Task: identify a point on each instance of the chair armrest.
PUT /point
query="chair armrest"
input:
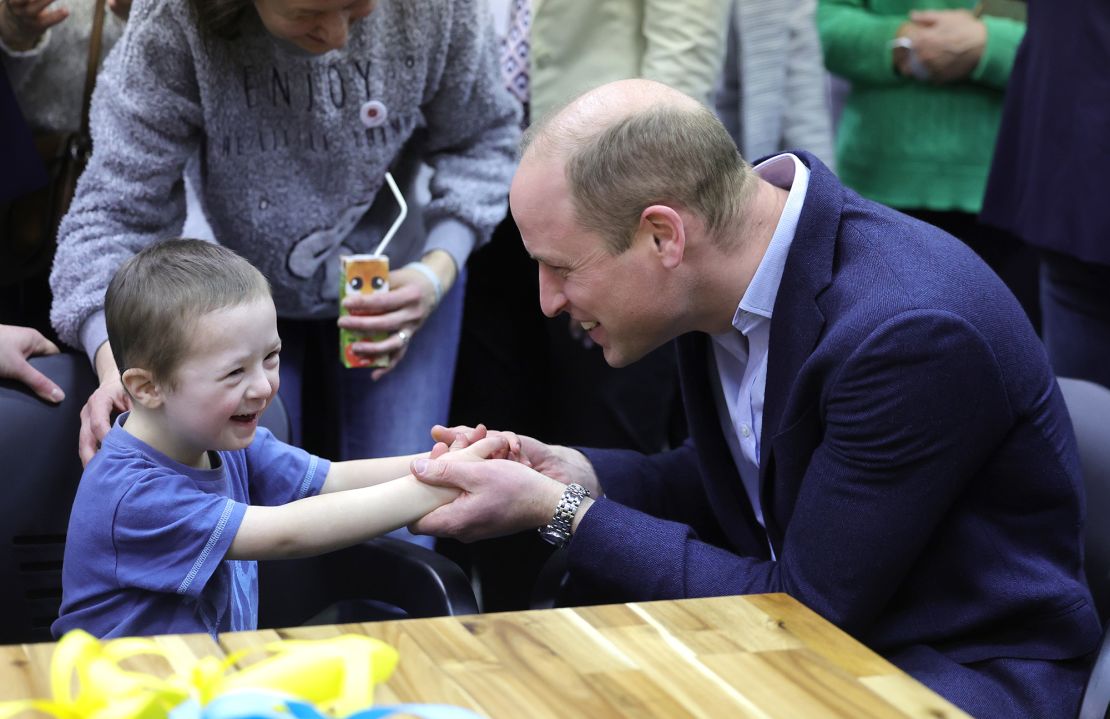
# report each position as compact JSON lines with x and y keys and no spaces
{"x":1096,"y":698}
{"x":406,"y":575}
{"x":385,"y":570}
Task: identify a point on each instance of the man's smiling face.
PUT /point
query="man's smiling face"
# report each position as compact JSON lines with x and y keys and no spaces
{"x":616,"y":298}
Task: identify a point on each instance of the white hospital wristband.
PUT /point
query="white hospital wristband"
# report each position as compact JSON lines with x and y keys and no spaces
{"x":430,"y":274}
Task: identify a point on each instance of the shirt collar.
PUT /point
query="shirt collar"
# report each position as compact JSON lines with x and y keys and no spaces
{"x":787,"y":172}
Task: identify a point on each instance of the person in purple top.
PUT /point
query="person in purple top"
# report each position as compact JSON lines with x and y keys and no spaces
{"x":187,"y":491}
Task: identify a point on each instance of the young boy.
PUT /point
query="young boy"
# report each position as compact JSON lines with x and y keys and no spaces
{"x":187,"y":491}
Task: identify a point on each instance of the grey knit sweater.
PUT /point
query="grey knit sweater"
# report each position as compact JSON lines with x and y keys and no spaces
{"x":277,"y":143}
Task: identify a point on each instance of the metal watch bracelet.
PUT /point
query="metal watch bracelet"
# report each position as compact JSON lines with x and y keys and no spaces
{"x":558,"y":531}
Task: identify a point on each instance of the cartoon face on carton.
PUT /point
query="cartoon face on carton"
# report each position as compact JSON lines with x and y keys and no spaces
{"x":362,"y":274}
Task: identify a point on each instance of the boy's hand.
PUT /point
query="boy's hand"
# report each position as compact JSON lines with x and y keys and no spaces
{"x":502,"y":445}
{"x":560,"y":463}
{"x":461,"y":437}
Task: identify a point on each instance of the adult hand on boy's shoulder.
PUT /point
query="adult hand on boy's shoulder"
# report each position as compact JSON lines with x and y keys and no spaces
{"x":109,"y":397}
{"x":96,"y":416}
{"x":16,"y":345}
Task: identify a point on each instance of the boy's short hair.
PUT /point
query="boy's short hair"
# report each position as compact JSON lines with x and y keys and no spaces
{"x":157,"y":296}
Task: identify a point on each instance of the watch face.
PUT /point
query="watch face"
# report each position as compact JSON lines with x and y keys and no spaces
{"x":553,"y":536}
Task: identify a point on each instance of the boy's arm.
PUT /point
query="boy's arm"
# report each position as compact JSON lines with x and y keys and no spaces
{"x":359,"y":473}
{"x":326,"y":522}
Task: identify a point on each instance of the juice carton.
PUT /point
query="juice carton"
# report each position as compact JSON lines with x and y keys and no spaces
{"x":363,"y":274}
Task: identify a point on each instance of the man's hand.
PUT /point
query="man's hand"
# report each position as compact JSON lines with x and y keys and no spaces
{"x":949,"y":43}
{"x":498,"y":497}
{"x":16,"y":345}
{"x":109,"y":397}
{"x":563,"y":464}
{"x":23,"y":22}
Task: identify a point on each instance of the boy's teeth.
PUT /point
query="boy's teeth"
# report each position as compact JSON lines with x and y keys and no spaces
{"x":588,"y":325}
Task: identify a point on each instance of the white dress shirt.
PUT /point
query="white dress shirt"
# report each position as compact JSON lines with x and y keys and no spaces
{"x":739,"y":360}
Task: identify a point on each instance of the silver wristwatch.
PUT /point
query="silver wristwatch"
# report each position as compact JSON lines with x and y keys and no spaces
{"x":558,"y":532}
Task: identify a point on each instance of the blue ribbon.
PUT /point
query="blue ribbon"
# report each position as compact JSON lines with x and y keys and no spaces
{"x":251,"y":704}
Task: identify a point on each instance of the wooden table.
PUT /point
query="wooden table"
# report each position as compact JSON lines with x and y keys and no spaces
{"x":742,"y":656}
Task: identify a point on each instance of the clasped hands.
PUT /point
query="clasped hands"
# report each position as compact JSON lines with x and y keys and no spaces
{"x":948,"y":43}
{"x":516,"y":490}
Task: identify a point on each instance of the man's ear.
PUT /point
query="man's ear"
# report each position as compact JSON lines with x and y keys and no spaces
{"x":140,"y":384}
{"x":668,"y":233}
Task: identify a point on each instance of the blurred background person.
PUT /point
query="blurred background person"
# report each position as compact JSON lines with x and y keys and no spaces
{"x":774,"y":92}
{"x":1047,"y":185}
{"x":919,"y":125}
{"x":44,"y":50}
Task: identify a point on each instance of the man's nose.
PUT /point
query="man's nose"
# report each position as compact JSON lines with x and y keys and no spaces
{"x":552,"y":299}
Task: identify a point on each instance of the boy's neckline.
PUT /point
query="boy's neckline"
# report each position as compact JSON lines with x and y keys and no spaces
{"x":210,"y":458}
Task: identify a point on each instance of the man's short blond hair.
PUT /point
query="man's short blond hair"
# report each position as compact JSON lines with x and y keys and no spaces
{"x":665,"y":155}
{"x":157,"y":296}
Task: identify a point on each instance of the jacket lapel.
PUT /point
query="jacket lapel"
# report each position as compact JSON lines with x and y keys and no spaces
{"x":723,"y":487}
{"x":796,"y":326}
{"x":797,"y":321}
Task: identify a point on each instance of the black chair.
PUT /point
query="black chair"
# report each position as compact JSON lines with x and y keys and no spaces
{"x":384,"y":578}
{"x":1089,"y":406}
{"x":38,"y":445}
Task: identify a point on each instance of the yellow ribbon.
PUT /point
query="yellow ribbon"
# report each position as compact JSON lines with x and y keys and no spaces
{"x":338,"y":675}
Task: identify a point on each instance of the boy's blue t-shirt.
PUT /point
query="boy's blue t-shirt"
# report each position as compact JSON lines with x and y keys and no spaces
{"x":147,"y":536}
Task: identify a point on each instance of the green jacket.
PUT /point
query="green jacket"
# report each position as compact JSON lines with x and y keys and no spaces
{"x":903,"y":142}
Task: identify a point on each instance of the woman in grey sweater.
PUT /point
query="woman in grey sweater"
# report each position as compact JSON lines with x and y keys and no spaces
{"x":285,"y":116}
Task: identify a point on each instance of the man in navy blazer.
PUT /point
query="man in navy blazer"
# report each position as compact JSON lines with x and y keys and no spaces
{"x":875,"y":429}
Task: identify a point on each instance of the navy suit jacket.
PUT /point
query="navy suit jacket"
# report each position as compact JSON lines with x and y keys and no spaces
{"x":918,"y":471}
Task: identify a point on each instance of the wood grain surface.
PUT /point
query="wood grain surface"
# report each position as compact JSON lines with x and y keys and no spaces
{"x":741,"y":656}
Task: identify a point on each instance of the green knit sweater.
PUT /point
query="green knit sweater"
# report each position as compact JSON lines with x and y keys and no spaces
{"x":903,"y":142}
